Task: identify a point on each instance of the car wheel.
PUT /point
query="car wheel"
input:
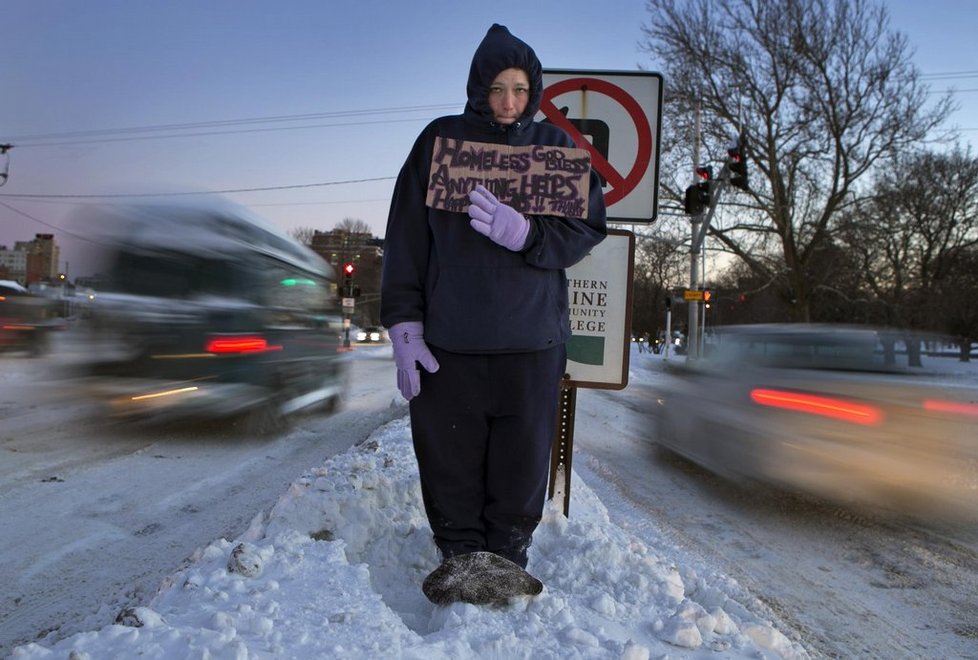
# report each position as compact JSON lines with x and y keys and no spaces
{"x":666,"y":438}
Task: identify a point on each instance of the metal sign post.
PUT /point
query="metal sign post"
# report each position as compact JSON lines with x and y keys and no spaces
{"x":563,"y":447}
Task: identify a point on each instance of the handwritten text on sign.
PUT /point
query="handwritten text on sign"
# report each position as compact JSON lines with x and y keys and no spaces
{"x":546,"y":180}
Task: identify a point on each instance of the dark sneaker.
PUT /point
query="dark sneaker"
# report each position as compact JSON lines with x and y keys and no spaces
{"x":480,"y":578}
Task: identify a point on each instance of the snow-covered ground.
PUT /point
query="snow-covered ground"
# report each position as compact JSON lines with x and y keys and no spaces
{"x":334,"y":570}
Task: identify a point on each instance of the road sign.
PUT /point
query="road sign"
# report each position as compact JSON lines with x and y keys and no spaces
{"x":600,"y":290}
{"x":616,"y":116}
{"x":690,"y":295}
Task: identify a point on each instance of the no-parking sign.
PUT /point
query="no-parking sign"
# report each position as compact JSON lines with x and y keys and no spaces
{"x":616,"y":116}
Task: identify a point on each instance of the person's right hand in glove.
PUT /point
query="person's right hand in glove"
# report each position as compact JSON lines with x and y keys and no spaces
{"x":500,"y":222}
{"x":409,"y":349}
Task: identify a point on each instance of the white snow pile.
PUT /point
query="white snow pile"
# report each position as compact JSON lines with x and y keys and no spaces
{"x":335,"y":568}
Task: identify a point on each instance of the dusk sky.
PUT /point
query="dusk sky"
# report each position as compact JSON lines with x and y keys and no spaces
{"x":321,"y":100}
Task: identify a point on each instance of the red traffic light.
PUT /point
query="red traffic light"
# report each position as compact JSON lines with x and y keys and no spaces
{"x":348,"y":269}
{"x":738,"y":166}
{"x":704,"y":173}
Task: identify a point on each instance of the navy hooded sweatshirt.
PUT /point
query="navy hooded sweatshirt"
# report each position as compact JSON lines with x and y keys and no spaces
{"x":473,"y":295}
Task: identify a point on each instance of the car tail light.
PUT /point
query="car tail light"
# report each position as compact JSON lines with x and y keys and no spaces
{"x":240,"y":344}
{"x":954,"y":407}
{"x":848,"y":411}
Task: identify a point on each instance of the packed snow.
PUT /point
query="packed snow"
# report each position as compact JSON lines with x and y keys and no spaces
{"x":334,"y":570}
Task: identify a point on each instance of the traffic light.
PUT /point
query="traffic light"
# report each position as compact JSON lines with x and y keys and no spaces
{"x":691,"y":204}
{"x":349,"y":291}
{"x":698,"y":195}
{"x":738,"y":165}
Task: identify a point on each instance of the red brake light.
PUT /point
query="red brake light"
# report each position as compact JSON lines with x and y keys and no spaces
{"x":955,"y":407}
{"x":239,"y":344}
{"x":847,"y":411}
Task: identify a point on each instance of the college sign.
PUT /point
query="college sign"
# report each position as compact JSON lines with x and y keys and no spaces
{"x":600,"y":295}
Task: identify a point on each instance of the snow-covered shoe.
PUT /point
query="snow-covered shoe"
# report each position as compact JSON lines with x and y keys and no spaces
{"x":480,"y":578}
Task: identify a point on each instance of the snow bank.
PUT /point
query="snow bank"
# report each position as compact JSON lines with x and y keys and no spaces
{"x":334,"y":570}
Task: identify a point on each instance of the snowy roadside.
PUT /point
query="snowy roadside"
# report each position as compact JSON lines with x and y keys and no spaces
{"x":334,"y":570}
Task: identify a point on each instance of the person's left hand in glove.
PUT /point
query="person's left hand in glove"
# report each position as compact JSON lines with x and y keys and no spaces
{"x":500,"y":222}
{"x":410,"y":349}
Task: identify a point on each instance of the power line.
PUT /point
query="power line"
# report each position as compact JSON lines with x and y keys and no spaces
{"x":224,"y":122}
{"x":185,"y":193}
{"x":950,"y":90}
{"x":47,"y":224}
{"x":113,"y":134}
{"x":325,"y":203}
{"x":71,"y":201}
{"x":211,"y":133}
{"x":950,"y":75}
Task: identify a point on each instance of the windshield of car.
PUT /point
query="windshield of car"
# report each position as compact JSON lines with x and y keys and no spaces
{"x":179,"y":276}
{"x":858,"y":351}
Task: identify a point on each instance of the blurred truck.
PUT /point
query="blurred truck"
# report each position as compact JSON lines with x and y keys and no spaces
{"x":204,"y":311}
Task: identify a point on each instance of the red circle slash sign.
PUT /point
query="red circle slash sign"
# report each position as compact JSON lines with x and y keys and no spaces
{"x":621,"y":185}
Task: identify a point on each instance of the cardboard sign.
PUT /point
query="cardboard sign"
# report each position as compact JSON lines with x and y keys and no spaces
{"x":536,"y":179}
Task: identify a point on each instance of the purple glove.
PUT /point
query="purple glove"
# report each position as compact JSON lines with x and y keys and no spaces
{"x":500,"y":222}
{"x":409,"y":348}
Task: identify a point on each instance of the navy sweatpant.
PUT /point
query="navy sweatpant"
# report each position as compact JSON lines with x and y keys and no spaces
{"x":483,"y":426}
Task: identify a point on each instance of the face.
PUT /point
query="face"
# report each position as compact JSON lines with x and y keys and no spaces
{"x":508,"y":95}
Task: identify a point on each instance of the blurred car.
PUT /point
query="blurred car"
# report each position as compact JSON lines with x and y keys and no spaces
{"x":371,"y":335}
{"x":205,"y":312}
{"x":817,"y":408}
{"x":25,"y":319}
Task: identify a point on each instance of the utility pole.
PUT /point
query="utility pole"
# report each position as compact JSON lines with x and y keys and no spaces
{"x":695,"y":220}
{"x":5,"y":166}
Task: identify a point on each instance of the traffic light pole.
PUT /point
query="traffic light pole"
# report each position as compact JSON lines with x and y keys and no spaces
{"x":348,"y":295}
{"x":701,"y":208}
{"x":693,"y":318}
{"x":700,"y":225}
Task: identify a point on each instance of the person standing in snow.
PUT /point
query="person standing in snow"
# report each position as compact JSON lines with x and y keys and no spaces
{"x":478,"y":297}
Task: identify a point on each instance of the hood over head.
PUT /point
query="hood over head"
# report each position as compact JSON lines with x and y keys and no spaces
{"x":499,"y":51}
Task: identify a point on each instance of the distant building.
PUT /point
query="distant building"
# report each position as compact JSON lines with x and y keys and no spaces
{"x":366,"y":253}
{"x":339,"y":247}
{"x":13,"y":265}
{"x":32,"y":261}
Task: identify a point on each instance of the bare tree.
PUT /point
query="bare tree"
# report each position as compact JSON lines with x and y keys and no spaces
{"x":912,"y":235}
{"x":353,"y":226}
{"x":822,"y":90}
{"x":303,"y":234}
{"x":660,"y":259}
{"x":960,"y":309}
